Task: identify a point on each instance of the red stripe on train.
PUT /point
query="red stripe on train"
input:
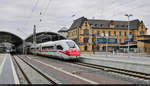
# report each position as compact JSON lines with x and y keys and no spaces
{"x":71,"y":52}
{"x":46,"y":51}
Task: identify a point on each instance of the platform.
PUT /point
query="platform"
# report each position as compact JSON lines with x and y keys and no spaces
{"x":7,"y":71}
{"x":133,"y":63}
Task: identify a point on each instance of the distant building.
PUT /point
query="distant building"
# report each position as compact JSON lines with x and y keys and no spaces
{"x":94,"y":35}
{"x":63,"y":31}
{"x":143,"y":43}
{"x":6,"y":46}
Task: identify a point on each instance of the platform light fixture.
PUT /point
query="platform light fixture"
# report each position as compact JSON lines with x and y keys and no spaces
{"x":128,"y":15}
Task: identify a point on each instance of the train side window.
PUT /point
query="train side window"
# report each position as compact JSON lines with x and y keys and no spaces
{"x":71,"y":44}
{"x":43,"y":48}
{"x":59,"y":47}
{"x":51,"y":47}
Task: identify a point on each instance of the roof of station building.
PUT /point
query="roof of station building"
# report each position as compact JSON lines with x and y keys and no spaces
{"x":63,"y":29}
{"x":10,"y":38}
{"x":94,"y":23}
{"x":44,"y":37}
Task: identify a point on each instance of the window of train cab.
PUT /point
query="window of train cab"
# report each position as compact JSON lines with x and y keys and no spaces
{"x":59,"y":47}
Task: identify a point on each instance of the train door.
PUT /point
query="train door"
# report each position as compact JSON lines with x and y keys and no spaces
{"x":52,"y":49}
{"x":39,"y":49}
{"x":55,"y":49}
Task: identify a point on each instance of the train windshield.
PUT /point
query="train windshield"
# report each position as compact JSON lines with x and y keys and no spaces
{"x":71,"y":44}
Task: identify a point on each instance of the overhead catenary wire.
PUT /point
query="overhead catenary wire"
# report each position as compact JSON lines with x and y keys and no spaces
{"x":42,"y":13}
{"x":29,"y":17}
{"x":46,"y":9}
{"x":34,"y":7}
{"x":32,"y":10}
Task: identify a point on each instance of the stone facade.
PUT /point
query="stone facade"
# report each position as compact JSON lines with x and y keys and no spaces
{"x":94,"y":35}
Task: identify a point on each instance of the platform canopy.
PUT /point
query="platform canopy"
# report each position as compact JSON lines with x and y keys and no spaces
{"x":7,"y":37}
{"x":44,"y":37}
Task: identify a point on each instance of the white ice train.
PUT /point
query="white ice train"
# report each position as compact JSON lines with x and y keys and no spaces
{"x":64,"y":49}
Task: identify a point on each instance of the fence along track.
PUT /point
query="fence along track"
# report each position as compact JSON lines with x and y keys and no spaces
{"x":42,"y":74}
{"x":144,"y":76}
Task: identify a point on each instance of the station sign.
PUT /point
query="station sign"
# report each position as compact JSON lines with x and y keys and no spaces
{"x":104,"y":40}
{"x":128,"y":40}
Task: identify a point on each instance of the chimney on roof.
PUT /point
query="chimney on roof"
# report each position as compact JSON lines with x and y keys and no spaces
{"x":141,"y":21}
{"x":111,"y":21}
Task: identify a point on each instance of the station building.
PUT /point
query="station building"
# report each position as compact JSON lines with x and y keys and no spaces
{"x":9,"y":42}
{"x":94,"y":35}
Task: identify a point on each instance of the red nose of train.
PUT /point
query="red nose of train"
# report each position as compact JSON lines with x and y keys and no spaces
{"x":73,"y":52}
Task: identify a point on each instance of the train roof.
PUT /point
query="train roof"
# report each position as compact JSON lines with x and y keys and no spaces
{"x":53,"y":42}
{"x":50,"y":42}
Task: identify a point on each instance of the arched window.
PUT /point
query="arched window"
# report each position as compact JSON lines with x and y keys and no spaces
{"x":114,"y":33}
{"x":119,"y":33}
{"x":125,"y":33}
{"x":86,"y":31}
{"x":109,"y":33}
{"x":85,"y":48}
{"x":130,"y":33}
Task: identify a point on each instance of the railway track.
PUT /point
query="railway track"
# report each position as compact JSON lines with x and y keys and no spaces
{"x":37,"y":70}
{"x":139,"y":75}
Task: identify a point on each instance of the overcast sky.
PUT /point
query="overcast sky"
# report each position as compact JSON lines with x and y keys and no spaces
{"x":19,"y":16}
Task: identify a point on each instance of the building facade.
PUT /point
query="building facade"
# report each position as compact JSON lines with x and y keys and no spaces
{"x":143,"y":43}
{"x":100,"y":35}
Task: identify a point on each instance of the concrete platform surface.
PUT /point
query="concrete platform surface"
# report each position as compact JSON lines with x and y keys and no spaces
{"x":133,"y":63}
{"x":7,"y":71}
{"x":131,"y":59}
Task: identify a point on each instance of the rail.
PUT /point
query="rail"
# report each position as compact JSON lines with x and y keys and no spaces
{"x":37,"y":70}
{"x":140,"y":75}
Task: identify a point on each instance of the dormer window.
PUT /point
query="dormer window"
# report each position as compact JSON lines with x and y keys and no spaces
{"x":117,"y":25}
{"x":92,"y":25}
{"x":96,"y":25}
{"x":122,"y":25}
{"x":102,"y":25}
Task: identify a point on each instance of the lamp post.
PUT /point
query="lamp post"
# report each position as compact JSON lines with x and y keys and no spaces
{"x":128,"y":15}
{"x":106,"y":44}
{"x":34,"y":38}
